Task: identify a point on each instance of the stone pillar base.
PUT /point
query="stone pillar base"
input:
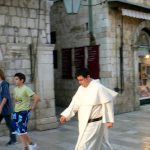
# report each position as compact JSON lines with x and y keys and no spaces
{"x":45,"y":113}
{"x":46,"y":123}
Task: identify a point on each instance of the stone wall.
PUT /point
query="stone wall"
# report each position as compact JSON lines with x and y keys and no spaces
{"x":71,"y":32}
{"x":142,"y":2}
{"x":25,"y":47}
{"x":77,"y":35}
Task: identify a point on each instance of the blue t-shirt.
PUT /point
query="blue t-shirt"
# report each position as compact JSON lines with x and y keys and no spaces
{"x":4,"y":93}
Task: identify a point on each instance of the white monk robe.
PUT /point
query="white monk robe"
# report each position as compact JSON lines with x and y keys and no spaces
{"x":91,"y":102}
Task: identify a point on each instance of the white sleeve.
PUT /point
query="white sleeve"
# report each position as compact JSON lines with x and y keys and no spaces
{"x":108,"y":112}
{"x":71,"y":110}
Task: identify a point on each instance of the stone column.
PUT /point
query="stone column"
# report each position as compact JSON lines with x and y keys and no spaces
{"x":45,"y":113}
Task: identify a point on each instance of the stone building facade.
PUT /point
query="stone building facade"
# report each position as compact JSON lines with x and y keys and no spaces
{"x":25,"y":47}
{"x":118,"y":27}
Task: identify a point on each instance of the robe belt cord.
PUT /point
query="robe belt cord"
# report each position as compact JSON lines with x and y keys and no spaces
{"x":95,"y":119}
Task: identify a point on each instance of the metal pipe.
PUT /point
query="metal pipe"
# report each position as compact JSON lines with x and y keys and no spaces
{"x":121,"y":59}
{"x":92,"y":39}
{"x":34,"y":53}
{"x":90,"y":16}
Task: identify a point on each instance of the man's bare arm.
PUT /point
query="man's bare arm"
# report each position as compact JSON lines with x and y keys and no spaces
{"x":2,"y":104}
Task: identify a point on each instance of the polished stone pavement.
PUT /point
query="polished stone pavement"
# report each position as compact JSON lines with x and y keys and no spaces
{"x":131,"y":132}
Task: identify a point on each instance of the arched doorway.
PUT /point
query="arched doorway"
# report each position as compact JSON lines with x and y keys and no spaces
{"x":143,"y":53}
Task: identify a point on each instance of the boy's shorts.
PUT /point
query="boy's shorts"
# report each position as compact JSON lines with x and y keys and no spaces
{"x":20,"y":120}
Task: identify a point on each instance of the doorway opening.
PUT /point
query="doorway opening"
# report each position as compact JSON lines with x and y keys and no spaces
{"x":143,"y":52}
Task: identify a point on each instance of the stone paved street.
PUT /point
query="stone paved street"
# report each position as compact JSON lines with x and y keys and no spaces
{"x":131,"y":132}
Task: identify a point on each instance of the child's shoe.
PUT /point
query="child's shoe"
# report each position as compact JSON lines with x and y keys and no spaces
{"x":32,"y":146}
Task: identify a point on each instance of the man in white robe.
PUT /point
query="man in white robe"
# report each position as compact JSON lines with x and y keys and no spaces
{"x":94,"y":104}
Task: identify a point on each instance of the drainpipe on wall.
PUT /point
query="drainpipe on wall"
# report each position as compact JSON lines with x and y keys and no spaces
{"x":92,"y":38}
{"x":121,"y":59}
{"x":34,"y":47}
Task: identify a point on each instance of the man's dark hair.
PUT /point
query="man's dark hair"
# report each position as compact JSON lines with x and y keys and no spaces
{"x":21,"y":76}
{"x":82,"y":72}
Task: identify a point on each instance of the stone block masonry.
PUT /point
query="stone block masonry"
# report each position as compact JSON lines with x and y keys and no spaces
{"x":25,"y":47}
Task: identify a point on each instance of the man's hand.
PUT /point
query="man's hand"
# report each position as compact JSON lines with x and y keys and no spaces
{"x":62,"y":119}
{"x":109,"y":124}
{"x":1,"y":109}
{"x":4,"y":100}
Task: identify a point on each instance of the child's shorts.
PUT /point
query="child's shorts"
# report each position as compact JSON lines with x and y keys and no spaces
{"x":20,"y":120}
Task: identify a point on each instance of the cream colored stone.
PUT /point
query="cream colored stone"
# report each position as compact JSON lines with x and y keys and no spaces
{"x":2,"y":20}
{"x":12,"y":11}
{"x":46,"y":121}
{"x":41,"y":113}
{"x":15,"y":21}
{"x":47,"y":126}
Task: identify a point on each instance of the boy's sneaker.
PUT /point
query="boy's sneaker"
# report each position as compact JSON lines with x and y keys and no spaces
{"x":32,"y":146}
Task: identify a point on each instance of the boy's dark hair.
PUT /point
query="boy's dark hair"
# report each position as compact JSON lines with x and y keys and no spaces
{"x":82,"y":72}
{"x":21,"y":76}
